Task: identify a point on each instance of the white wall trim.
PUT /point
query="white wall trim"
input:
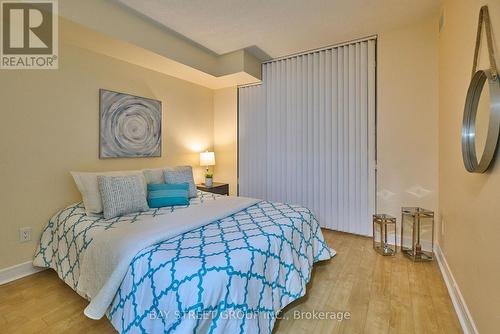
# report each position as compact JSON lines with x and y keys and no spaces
{"x":464,"y":316}
{"x":18,"y":271}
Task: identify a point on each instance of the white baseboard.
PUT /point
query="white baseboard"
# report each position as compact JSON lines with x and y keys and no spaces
{"x":464,"y":316}
{"x":18,"y":271}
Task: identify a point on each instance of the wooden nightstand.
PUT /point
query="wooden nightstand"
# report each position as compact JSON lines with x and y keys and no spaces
{"x":216,"y":188}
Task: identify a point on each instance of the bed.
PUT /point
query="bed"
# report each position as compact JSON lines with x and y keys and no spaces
{"x":231,"y":275}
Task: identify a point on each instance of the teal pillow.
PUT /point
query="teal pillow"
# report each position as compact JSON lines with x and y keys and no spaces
{"x":160,"y":195}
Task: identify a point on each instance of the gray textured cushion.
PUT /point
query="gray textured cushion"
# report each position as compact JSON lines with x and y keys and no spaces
{"x":122,"y":195}
{"x":154,"y":176}
{"x":181,"y":174}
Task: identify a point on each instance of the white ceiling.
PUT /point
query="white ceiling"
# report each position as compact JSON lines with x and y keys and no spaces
{"x":281,"y":27}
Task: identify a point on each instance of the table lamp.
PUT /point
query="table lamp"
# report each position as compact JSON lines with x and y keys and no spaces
{"x":207,"y":159}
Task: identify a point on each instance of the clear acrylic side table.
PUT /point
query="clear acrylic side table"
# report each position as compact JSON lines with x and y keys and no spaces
{"x":417,"y":233}
{"x":383,"y":225}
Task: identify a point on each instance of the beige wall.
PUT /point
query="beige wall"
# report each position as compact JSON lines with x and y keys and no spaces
{"x":468,"y":202}
{"x":225,"y":137}
{"x":407,"y":118}
{"x":50,"y":126}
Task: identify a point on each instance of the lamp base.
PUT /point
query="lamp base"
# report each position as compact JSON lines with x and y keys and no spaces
{"x":209,"y":182}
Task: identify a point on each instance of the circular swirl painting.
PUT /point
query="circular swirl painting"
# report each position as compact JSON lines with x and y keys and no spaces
{"x":130,"y":126}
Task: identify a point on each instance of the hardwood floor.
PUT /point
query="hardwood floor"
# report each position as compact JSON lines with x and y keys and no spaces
{"x":381,"y":294}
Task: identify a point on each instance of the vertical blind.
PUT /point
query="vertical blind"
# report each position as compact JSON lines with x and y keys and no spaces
{"x":307,"y":135}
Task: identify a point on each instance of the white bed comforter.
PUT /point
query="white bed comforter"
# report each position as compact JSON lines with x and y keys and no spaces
{"x":233,"y":274}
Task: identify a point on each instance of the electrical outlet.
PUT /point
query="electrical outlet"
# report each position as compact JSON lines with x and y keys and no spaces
{"x":25,"y":234}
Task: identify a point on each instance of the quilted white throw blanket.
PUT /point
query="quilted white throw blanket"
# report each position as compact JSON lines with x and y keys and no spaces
{"x":108,"y":257}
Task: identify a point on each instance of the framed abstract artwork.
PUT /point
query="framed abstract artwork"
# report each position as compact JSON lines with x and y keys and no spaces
{"x":130,"y":126}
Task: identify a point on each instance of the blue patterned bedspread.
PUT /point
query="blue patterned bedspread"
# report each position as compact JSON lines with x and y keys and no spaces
{"x":231,"y":276}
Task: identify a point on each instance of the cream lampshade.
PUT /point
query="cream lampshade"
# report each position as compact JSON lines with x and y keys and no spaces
{"x":207,"y":159}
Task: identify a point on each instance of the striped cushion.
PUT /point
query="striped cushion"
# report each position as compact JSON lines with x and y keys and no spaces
{"x":160,"y":195}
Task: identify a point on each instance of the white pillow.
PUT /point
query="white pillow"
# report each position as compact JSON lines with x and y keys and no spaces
{"x":89,"y":188}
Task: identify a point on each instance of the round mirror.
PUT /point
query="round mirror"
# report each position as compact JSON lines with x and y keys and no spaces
{"x":481,"y":123}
